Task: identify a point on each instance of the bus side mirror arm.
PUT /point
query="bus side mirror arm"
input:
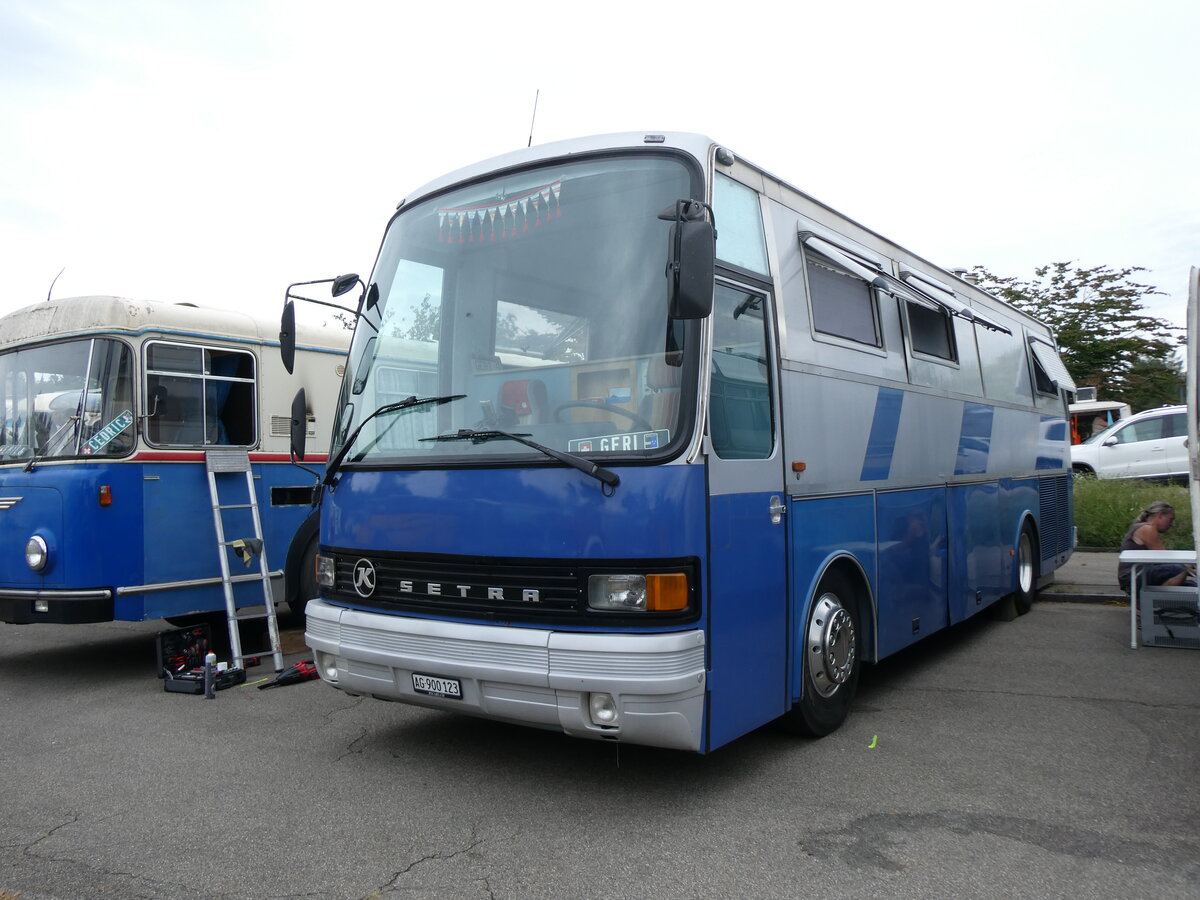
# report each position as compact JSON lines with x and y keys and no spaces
{"x":343,"y":284}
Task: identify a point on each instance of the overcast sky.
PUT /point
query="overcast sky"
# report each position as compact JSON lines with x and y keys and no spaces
{"x":212,"y":152}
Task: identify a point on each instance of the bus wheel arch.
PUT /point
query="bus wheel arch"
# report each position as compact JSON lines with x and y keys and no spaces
{"x":1026,"y":566}
{"x":300,"y":578}
{"x":833,"y":642}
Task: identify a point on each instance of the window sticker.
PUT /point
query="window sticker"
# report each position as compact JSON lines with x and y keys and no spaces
{"x":618,"y":443}
{"x":105,"y":435}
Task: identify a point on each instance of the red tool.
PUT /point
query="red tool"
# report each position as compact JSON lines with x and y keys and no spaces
{"x":301,"y":671}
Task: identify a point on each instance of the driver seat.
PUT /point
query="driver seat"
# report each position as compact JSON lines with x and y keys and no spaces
{"x":524,"y":401}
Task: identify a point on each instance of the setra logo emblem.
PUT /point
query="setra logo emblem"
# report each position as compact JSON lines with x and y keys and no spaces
{"x":364,"y":577}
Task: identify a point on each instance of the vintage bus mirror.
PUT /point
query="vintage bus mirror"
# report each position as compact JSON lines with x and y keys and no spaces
{"x":287,"y":336}
{"x":298,"y":430}
{"x":690,"y":268}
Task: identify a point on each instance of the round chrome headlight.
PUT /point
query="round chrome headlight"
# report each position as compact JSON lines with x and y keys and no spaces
{"x":37,"y":554}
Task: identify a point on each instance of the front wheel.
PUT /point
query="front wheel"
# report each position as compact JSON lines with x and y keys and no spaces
{"x":829,"y":672}
{"x":1027,"y":570}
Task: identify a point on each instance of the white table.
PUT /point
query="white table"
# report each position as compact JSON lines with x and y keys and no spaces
{"x":1141,"y":558}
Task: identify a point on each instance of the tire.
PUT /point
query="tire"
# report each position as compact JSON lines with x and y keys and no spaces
{"x":306,"y":581}
{"x":1027,"y":570}
{"x":831,"y":659}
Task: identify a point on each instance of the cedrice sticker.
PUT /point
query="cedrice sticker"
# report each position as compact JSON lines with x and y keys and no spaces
{"x":105,"y":435}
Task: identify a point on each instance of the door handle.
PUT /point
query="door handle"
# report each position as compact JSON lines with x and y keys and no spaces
{"x":778,"y":510}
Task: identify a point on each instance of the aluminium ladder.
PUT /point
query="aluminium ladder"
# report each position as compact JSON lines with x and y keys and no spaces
{"x":232,"y":462}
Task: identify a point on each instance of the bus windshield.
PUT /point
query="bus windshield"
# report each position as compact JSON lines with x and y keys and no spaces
{"x":496,"y":291}
{"x":73,"y":398}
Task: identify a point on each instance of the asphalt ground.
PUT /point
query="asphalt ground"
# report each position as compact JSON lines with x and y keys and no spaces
{"x":1090,"y":576}
{"x":1035,"y":758}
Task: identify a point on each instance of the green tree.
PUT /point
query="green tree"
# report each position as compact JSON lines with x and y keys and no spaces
{"x":1154,"y":382}
{"x":1106,"y":336}
{"x":426,"y":324}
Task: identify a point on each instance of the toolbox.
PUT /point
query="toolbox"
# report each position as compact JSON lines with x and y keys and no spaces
{"x":181,"y":655}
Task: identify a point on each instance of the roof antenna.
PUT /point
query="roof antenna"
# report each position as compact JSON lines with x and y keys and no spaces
{"x":49,"y":292}
{"x":534,"y":119}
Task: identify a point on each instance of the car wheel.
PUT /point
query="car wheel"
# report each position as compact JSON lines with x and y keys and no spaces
{"x":1027,"y":570}
{"x":831,"y":659}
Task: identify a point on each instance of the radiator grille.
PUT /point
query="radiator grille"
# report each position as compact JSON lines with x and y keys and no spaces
{"x":1054,"y":499}
{"x":489,"y":588}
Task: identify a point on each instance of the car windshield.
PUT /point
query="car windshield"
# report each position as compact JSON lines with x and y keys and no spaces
{"x":541,"y":297}
{"x":73,"y":398}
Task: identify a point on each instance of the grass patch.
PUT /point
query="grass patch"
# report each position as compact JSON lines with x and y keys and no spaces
{"x":1104,"y":510}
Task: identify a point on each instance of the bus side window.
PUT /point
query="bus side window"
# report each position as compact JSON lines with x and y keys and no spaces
{"x":200,"y":396}
{"x":740,"y":424}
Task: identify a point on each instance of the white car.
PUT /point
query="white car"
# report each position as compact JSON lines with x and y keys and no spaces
{"x":1151,"y":444}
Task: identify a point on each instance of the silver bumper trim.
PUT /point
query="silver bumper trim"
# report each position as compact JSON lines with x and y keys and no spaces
{"x":18,"y":594}
{"x":530,"y":676}
{"x":194,"y":582}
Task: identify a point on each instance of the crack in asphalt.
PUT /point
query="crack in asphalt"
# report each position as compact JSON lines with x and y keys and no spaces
{"x":351,"y":748}
{"x":390,"y":884}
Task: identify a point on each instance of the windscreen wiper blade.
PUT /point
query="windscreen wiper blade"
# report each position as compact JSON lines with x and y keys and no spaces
{"x":407,"y":403}
{"x":608,"y":478}
{"x":54,"y":444}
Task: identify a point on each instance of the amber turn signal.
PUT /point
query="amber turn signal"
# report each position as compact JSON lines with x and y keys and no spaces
{"x":666,"y":593}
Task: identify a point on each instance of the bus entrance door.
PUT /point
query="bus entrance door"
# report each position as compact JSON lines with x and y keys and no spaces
{"x":747,"y":608}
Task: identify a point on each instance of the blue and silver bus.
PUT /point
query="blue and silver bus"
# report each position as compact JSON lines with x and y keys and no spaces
{"x":640,"y":443}
{"x":108,"y":408}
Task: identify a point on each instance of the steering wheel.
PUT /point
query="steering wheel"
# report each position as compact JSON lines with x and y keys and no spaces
{"x":637,"y":420}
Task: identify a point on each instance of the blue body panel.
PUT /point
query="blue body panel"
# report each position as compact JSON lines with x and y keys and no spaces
{"x":747,"y":617}
{"x":911,"y":581}
{"x":558,"y":513}
{"x":90,"y":546}
{"x":158,"y":528}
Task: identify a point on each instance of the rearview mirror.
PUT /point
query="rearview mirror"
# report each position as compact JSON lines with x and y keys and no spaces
{"x":690,"y":266}
{"x":298,"y":429}
{"x":344,"y":284}
{"x":287,"y":336}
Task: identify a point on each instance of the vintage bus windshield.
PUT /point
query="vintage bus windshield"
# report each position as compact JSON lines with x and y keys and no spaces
{"x":73,"y":398}
{"x":541,"y":297}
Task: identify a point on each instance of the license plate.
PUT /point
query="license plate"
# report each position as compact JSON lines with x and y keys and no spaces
{"x":437,"y":687}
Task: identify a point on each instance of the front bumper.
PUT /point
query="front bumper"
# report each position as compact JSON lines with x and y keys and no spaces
{"x":527,"y":676}
{"x":63,"y":607}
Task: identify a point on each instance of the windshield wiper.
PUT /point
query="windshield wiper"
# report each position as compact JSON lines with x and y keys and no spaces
{"x":53,"y":445}
{"x":407,"y":403}
{"x":586,"y":466}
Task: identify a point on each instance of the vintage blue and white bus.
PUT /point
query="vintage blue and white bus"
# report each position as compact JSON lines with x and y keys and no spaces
{"x":666,"y":482}
{"x":109,"y":406}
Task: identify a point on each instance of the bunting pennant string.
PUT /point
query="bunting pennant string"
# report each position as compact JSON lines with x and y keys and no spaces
{"x":510,"y":216}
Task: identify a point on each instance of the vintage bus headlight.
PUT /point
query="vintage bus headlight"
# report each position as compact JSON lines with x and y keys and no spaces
{"x":667,"y":592}
{"x":325,"y":571}
{"x":37,"y":554}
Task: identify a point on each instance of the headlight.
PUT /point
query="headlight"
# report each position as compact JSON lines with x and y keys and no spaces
{"x":624,"y":592}
{"x":639,"y":593}
{"x":37,"y":554}
{"x":325,"y":571}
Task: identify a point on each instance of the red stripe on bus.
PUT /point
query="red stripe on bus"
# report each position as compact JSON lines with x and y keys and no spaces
{"x":192,"y":456}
